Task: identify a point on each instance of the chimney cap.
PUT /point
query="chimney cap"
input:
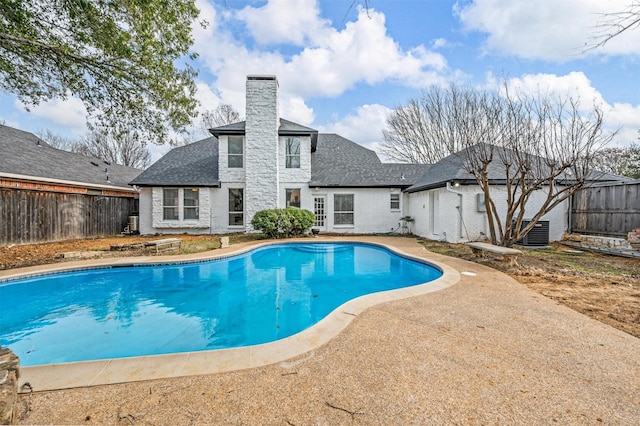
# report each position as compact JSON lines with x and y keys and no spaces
{"x":261,"y":77}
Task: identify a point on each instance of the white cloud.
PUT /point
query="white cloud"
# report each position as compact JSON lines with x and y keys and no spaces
{"x":625,"y":118}
{"x":293,"y":108}
{"x":284,"y":21}
{"x":550,"y":30}
{"x":69,"y":113}
{"x":207,"y":97}
{"x":331,"y":62}
{"x":363,"y":127}
{"x":621,"y":117}
{"x":575,"y":85}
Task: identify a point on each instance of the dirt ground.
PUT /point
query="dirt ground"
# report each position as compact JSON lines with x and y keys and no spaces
{"x":606,"y":288}
{"x":603,"y":287}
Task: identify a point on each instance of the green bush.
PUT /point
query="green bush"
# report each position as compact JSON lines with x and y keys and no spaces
{"x":283,"y":223}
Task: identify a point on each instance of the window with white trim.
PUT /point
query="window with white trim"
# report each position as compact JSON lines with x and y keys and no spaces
{"x":293,"y":197}
{"x":191,"y":204}
{"x":292,"y":153}
{"x":170,"y":204}
{"x":343,"y":209}
{"x":236,"y":207}
{"x":235,"y":150}
{"x":394,"y":201}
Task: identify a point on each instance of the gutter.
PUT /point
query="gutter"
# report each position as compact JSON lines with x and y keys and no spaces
{"x":65,"y":182}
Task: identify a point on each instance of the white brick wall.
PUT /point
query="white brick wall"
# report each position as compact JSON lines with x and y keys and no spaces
{"x":303,"y":174}
{"x":261,"y":143}
{"x":226,"y":174}
{"x":460,"y":220}
{"x":151,"y":213}
{"x":372,"y":212}
{"x":145,"y":208}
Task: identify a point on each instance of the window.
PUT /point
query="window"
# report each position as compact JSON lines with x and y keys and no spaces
{"x":343,"y":209}
{"x":236,"y":207}
{"x":170,"y":204}
{"x":293,"y":198}
{"x":235,"y":150}
{"x":191,"y":203}
{"x":293,"y":153}
{"x":395,"y":201}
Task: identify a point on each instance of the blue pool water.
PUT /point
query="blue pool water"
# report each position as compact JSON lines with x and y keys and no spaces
{"x":260,"y":296}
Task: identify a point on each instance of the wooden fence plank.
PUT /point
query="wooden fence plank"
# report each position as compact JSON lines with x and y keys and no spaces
{"x":28,"y":216}
{"x":606,"y":210}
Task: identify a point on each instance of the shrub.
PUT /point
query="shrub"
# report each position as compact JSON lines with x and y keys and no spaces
{"x":283,"y":223}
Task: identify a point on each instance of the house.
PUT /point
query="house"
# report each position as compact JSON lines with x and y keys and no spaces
{"x":48,"y":194}
{"x":216,"y":185}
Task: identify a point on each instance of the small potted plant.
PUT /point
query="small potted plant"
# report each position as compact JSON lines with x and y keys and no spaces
{"x":406,"y":224}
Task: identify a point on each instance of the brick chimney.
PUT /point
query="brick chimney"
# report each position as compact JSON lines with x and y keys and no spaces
{"x":261,"y":144}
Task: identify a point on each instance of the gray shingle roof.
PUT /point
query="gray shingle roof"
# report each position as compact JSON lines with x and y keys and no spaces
{"x":342,"y":163}
{"x":25,"y":154}
{"x":195,"y":164}
{"x":286,"y":127}
{"x":451,"y":168}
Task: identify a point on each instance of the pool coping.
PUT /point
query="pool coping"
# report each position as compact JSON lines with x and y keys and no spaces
{"x":151,"y":367}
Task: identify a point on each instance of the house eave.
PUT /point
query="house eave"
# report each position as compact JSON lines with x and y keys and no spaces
{"x":360,"y":186}
{"x":177,"y":185}
{"x":63,"y":182}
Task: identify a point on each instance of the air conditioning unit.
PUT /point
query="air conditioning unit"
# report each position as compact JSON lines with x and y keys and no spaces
{"x":538,"y":236}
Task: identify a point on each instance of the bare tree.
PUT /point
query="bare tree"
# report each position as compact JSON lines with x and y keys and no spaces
{"x":56,"y":140}
{"x":423,"y":131}
{"x":613,"y":24}
{"x":514,"y":147}
{"x":223,"y":114}
{"x":124,"y":148}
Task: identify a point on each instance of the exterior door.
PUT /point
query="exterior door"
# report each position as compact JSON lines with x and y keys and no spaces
{"x":320,"y":210}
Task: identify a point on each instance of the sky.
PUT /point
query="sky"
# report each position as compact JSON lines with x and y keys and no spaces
{"x":343,"y":67}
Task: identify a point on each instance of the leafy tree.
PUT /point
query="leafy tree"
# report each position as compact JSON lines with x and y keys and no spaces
{"x":223,"y":114}
{"x":514,"y":147}
{"x":118,"y":56}
{"x":624,"y":161}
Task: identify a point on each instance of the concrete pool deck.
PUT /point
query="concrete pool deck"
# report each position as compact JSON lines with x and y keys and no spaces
{"x":484,"y":350}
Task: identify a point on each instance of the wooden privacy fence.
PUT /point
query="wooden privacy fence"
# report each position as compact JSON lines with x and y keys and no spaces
{"x":609,"y":210}
{"x":39,"y":216}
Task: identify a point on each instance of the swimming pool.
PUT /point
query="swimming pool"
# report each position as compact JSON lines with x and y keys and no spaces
{"x":264,"y":295}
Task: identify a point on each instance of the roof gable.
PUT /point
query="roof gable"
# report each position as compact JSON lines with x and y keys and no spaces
{"x":195,"y":164}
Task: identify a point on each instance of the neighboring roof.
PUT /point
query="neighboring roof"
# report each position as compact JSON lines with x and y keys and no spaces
{"x":339,"y":162}
{"x":451,"y":168}
{"x":195,"y":164}
{"x":25,"y":156}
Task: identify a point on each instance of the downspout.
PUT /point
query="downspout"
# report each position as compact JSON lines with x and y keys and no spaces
{"x":459,"y":207}
{"x":570,"y":218}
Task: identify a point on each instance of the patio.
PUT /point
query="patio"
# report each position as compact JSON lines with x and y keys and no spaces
{"x":485,"y":350}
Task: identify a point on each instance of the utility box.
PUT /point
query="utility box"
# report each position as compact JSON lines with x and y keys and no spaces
{"x":538,"y":236}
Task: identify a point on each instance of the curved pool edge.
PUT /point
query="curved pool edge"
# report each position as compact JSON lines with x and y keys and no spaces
{"x":122,"y":370}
